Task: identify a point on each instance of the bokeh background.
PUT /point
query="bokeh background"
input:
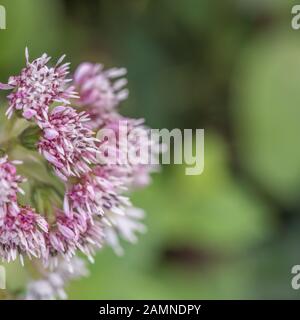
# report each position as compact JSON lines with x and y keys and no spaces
{"x":231,"y":67}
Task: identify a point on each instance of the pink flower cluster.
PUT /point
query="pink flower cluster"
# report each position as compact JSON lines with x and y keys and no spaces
{"x":9,"y":187}
{"x":37,"y":87}
{"x":95,"y":209}
{"x":101,"y":91}
{"x":134,"y":149}
{"x":23,"y":234}
{"x":67,"y":143}
{"x":51,"y":285}
{"x":70,"y":234}
{"x":22,"y":230}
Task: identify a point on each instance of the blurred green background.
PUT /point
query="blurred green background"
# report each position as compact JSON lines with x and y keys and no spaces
{"x":231,"y":67}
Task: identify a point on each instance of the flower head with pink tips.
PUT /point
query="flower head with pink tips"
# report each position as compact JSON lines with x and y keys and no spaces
{"x":89,"y":204}
{"x":37,"y":87}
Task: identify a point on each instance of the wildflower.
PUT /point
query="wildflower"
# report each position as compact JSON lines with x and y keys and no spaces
{"x":124,"y":226}
{"x":9,"y":187}
{"x":98,"y":196}
{"x":67,"y":143}
{"x":37,"y":87}
{"x":62,"y":238}
{"x":92,"y":239}
{"x":68,"y":234}
{"x":100,"y":91}
{"x":95,"y":193}
{"x":90,"y":207}
{"x":41,"y":290}
{"x":51,"y":286}
{"x":22,"y":234}
{"x":136,"y":151}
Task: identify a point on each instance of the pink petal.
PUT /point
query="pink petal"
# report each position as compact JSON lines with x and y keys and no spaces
{"x":4,"y":86}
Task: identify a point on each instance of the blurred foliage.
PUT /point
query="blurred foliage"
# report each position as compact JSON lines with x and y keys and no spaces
{"x":230,"y":67}
{"x":267,"y":111}
{"x":196,"y":226}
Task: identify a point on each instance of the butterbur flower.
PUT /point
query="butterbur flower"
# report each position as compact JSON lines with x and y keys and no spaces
{"x":22,"y":235}
{"x":136,"y":151}
{"x":37,"y":87}
{"x":95,"y":193}
{"x":51,"y":286}
{"x":72,"y":233}
{"x":124,"y":226}
{"x":9,"y":187}
{"x":67,"y":143}
{"x":92,"y":239}
{"x":62,"y":238}
{"x":100,"y":91}
{"x":42,"y":290}
{"x":89,"y":205}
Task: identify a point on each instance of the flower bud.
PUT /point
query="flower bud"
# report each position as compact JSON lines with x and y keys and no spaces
{"x":29,"y":137}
